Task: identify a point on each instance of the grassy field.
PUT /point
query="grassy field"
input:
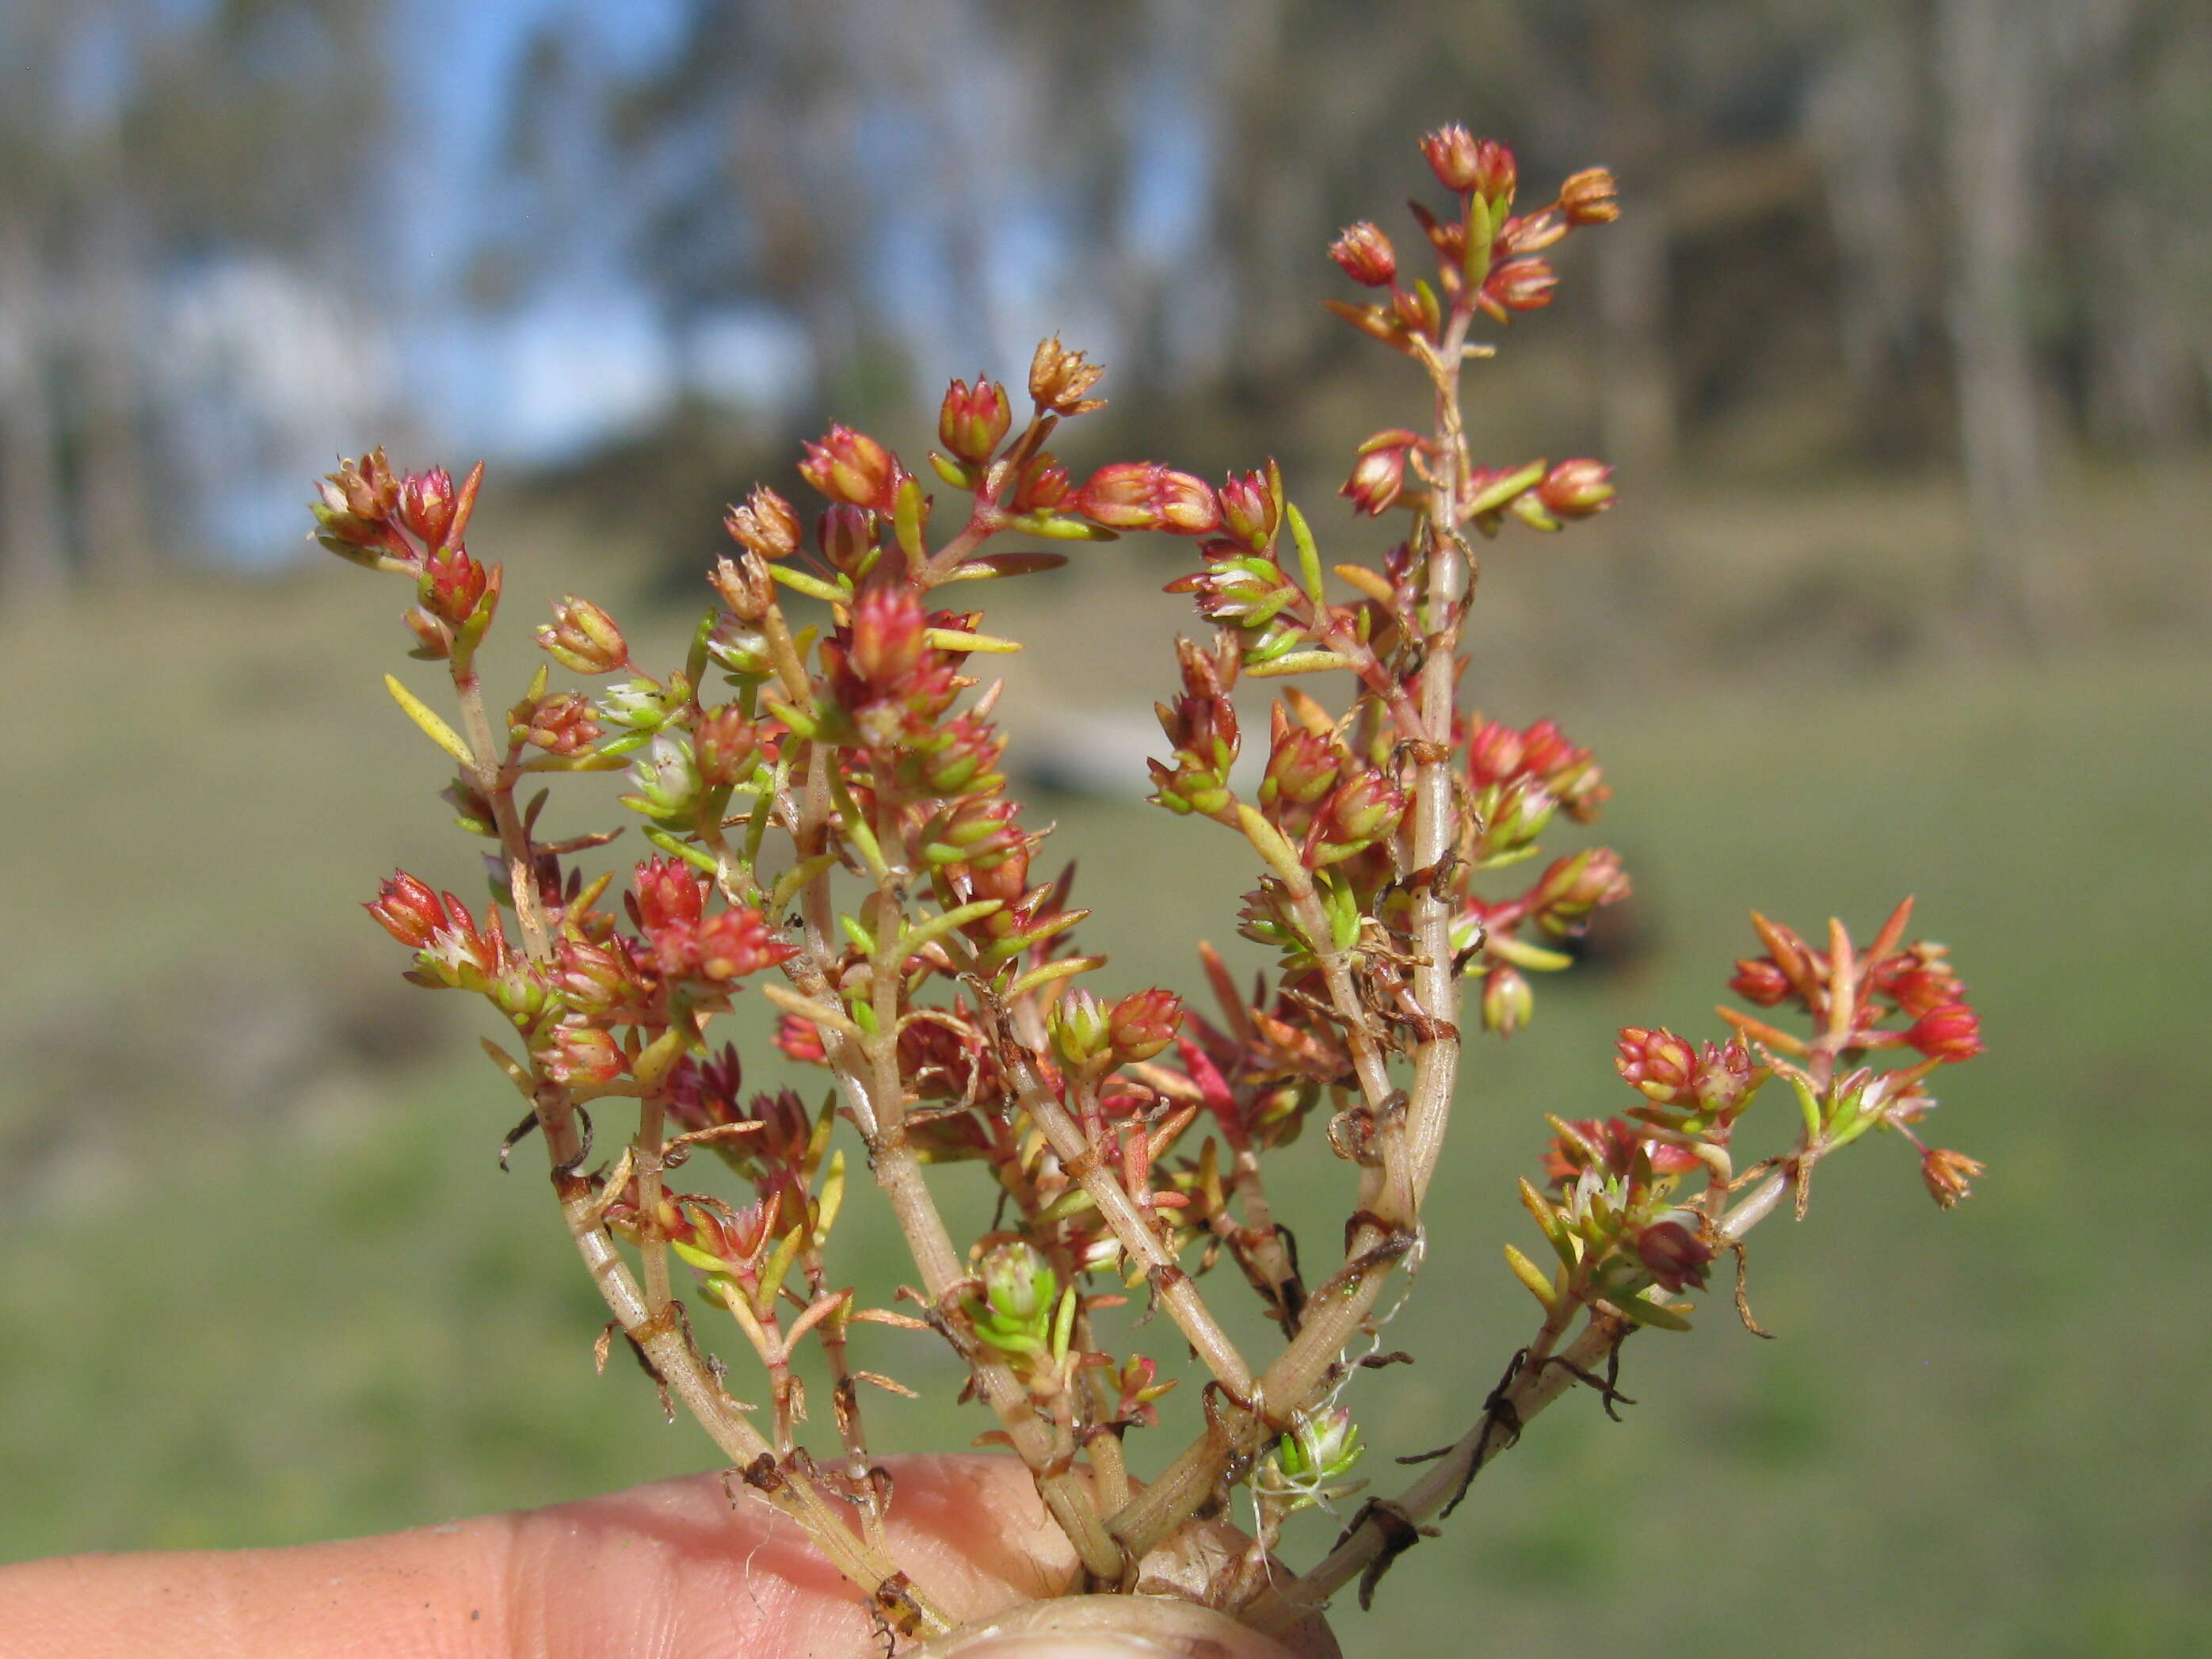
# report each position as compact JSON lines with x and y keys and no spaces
{"x":263,"y":1282}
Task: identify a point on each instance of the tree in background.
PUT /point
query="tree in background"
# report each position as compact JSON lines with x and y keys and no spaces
{"x":144,"y":151}
{"x":1953,"y":227}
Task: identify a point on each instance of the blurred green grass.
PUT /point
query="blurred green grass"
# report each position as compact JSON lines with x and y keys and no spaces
{"x":264,"y":1282}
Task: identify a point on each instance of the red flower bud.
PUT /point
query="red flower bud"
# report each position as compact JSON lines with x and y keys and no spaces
{"x":1495,"y":171}
{"x":1759,"y":981}
{"x":602,"y":981}
{"x":765,"y":525}
{"x":1303,"y":767}
{"x":1575,"y":885}
{"x":1361,"y":810}
{"x":1588,"y":197}
{"x":800,"y":1040}
{"x":978,"y":833}
{"x":1507,"y":1000}
{"x":1364,"y":253}
{"x":426,"y":504}
{"x":733,"y":1241}
{"x":852,"y":467}
{"x":583,"y":637}
{"x":1380,"y":472}
{"x":962,"y":758}
{"x":724,"y":744}
{"x":1250,"y":516}
{"x":1204,"y":727}
{"x":366,"y":489}
{"x":1187,"y":506}
{"x":1043,"y":485}
{"x":787,"y":1128}
{"x":1577,"y":489}
{"x":1080,"y":1029}
{"x":971,"y":424}
{"x":1547,"y":753}
{"x":1144,"y":1024}
{"x":1520,"y":811}
{"x":1455,"y":157}
{"x":1615,"y":1148}
{"x":407,"y":909}
{"x":1661,"y":1065}
{"x":1529,"y":233}
{"x":887,"y":629}
{"x":1724,"y":1078}
{"x":1715,"y":1078}
{"x":1674,"y":1255}
{"x":1006,"y":879}
{"x":731,"y":943}
{"x":583,"y":1054}
{"x":847,"y":536}
{"x":561,"y":724}
{"x":459,"y":953}
{"x":1145,"y":495}
{"x":1952,"y":1032}
{"x":1923,"y":988}
{"x":702,"y":1093}
{"x":669,"y":895}
{"x":1521,"y":284}
{"x":1494,"y":753}
{"x":453,"y":584}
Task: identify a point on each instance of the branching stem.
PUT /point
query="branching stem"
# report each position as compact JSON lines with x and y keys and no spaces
{"x":1535,"y":1385}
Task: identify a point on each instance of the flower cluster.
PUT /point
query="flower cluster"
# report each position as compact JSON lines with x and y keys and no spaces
{"x":1618,"y":1223}
{"x":819,"y":782}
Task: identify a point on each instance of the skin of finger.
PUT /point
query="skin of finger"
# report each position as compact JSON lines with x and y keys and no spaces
{"x":663,"y":1568}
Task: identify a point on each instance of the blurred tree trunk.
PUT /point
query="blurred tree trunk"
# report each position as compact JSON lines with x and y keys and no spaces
{"x":2142,"y":384}
{"x":112,"y":473}
{"x":1987,"y":65}
{"x":1635,"y":408}
{"x":1867,"y":117}
{"x":1266,"y":197}
{"x":33,"y":554}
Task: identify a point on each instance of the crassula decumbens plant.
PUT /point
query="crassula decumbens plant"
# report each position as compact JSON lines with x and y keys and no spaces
{"x":830,"y":830}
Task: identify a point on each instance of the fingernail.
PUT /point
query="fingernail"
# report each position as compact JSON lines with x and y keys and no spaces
{"x":1099,"y":1646}
{"x":1122,"y":1627}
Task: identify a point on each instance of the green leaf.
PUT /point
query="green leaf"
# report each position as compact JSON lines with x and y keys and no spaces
{"x":1641,"y":1311}
{"x":953,"y":639}
{"x":1005,"y":949}
{"x":1538,"y":1281}
{"x":771,"y":1279}
{"x":1309,"y":554}
{"x":433,"y":728}
{"x":694,"y":665}
{"x":1060,"y":529}
{"x":906,"y":521}
{"x":1005,"y":564}
{"x":1534,"y":958}
{"x":698,"y":857}
{"x":928,"y":933}
{"x":1480,"y":232}
{"x":788,"y":883}
{"x":1065,"y":967}
{"x":591,"y":759}
{"x":1075,"y":1202}
{"x":1299,"y":662}
{"x":1505,"y":489}
{"x":813,"y":586}
{"x":1272,"y":847}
